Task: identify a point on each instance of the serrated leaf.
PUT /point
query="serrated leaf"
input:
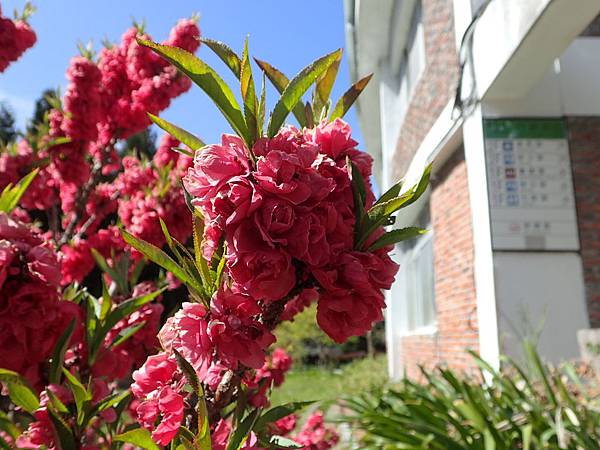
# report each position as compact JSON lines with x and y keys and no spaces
{"x":20,"y":392}
{"x":208,"y":80}
{"x":159,"y":257}
{"x":390,"y":193}
{"x":394,"y":236}
{"x":347,"y":100}
{"x":80,"y":393}
{"x":248,"y":91}
{"x":11,"y":195}
{"x":58,"y":355}
{"x":379,"y":213}
{"x":279,"y":412}
{"x":227,"y":55}
{"x":112,"y":273}
{"x":183,"y":136}
{"x":140,"y":437}
{"x":126,"y":334}
{"x":239,"y":436}
{"x":323,"y":87}
{"x":296,"y":88}
{"x":280,"y":81}
{"x":62,"y":431}
{"x":262,"y":106}
{"x":190,"y":373}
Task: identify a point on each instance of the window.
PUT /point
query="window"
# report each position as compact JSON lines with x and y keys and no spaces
{"x":413,"y":293}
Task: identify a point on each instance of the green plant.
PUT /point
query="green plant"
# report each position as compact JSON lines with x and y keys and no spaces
{"x":536,"y":408}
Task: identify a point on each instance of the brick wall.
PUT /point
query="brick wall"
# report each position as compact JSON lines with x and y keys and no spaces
{"x":584,"y":142}
{"x":436,"y":85}
{"x":454,"y":278}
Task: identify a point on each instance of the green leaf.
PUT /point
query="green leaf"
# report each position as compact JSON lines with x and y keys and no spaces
{"x":390,"y":193}
{"x":125,"y":334}
{"x":227,"y":55}
{"x":345,"y":102}
{"x":324,"y":86}
{"x":140,"y":437}
{"x":23,"y":396}
{"x":80,"y":393}
{"x":20,"y":392}
{"x":279,"y":412}
{"x":119,"y":279}
{"x":58,"y":355}
{"x":11,"y":195}
{"x":190,"y":373}
{"x":296,"y":88}
{"x":111,"y":401}
{"x":359,"y":193}
{"x":260,"y":120}
{"x":183,"y":136}
{"x":249,"y":99}
{"x":208,"y":80}
{"x":280,"y":81}
{"x":394,"y":236}
{"x":379,"y":213}
{"x":238,"y":437}
{"x":62,"y":431}
{"x":159,"y":257}
{"x":57,"y":402}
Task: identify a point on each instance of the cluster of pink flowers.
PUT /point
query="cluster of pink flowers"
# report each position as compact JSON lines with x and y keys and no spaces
{"x":16,"y":37}
{"x":32,"y":314}
{"x":289,"y":220}
{"x":270,"y":375}
{"x":315,"y":435}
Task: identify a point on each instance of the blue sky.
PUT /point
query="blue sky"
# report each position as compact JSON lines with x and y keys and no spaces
{"x":289,"y":34}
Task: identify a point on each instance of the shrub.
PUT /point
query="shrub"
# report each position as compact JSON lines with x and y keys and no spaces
{"x":529,"y":408}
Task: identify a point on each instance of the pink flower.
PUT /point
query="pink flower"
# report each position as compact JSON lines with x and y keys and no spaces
{"x":287,"y":176}
{"x":32,"y":315}
{"x":264,"y":272}
{"x":235,"y":331}
{"x":333,"y":138}
{"x":214,"y":166}
{"x":348,"y":313}
{"x":315,"y":435}
{"x":156,"y":384}
{"x":187,"y":333}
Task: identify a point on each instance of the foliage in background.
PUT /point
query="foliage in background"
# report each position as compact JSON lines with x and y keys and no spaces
{"x":531,"y":406}
{"x":308,"y":345}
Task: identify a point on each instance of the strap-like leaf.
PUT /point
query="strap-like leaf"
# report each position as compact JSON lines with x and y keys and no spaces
{"x":296,"y":88}
{"x":238,"y":437}
{"x":394,"y":236}
{"x":20,"y":392}
{"x":260,"y":120}
{"x":81,"y":395}
{"x":323,"y":87}
{"x":227,"y":55}
{"x":249,"y":99}
{"x":279,"y":412}
{"x":63,"y":431}
{"x":345,"y":102}
{"x":140,"y":437}
{"x":159,"y":257}
{"x":208,"y":80}
{"x":10,"y":196}
{"x":281,"y":442}
{"x":390,"y":193}
{"x":280,"y":81}
{"x":180,"y":134}
{"x":58,"y":355}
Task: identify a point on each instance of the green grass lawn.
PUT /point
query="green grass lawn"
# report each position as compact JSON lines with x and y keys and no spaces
{"x":328,"y":384}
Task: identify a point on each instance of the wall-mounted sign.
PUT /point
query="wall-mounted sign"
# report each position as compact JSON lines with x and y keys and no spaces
{"x":532,"y":205}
